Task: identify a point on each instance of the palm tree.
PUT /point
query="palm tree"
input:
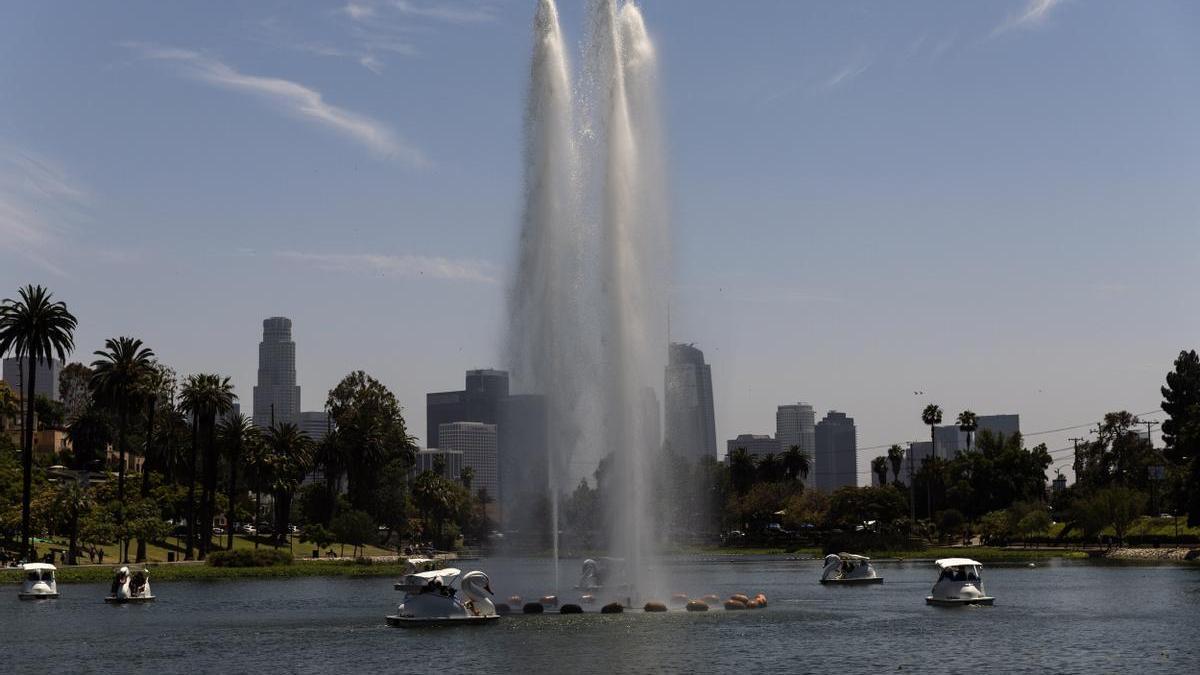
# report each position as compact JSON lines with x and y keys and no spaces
{"x":212,"y":396}
{"x":879,"y":466}
{"x":770,"y":468}
{"x":158,"y":390}
{"x":895,"y":457}
{"x":796,"y":463}
{"x":118,"y":379}
{"x":74,"y":498}
{"x":741,"y":470}
{"x":931,"y":415}
{"x":257,"y":458}
{"x":37,"y":329}
{"x":235,"y":434}
{"x":291,"y":459}
{"x":968,"y":422}
{"x":189,"y":405}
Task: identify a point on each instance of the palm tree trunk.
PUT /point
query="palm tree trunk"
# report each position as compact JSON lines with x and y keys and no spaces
{"x":27,"y":463}
{"x":122,"y":421}
{"x":232,"y":492}
{"x":257,"y":511}
{"x":208,"y":499}
{"x":191,"y":526}
{"x":141,"y":548}
{"x":74,"y":533}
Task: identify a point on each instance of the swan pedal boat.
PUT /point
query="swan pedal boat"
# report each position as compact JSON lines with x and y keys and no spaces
{"x":959,"y":583}
{"x":130,"y":590}
{"x":430,"y":599}
{"x":39,"y":583}
{"x":849,"y":569}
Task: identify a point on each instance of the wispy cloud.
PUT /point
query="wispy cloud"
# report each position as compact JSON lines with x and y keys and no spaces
{"x":1034,"y":14}
{"x":848,"y":72}
{"x":37,"y":204}
{"x":367,"y":10}
{"x":410,"y":266}
{"x":290,"y":97}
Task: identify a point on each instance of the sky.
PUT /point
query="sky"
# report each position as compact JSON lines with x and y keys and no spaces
{"x":874,"y":205}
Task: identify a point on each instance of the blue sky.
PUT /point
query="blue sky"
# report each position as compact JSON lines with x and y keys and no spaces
{"x":992,"y":203}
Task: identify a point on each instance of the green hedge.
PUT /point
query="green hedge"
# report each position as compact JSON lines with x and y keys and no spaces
{"x":249,"y":558}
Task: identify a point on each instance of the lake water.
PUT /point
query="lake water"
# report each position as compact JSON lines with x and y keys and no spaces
{"x":1066,"y":617}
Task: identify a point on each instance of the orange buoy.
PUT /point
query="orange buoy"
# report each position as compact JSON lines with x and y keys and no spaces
{"x":654,"y":606}
{"x":734,"y":604}
{"x":549,"y":600}
{"x":587,"y":599}
{"x":697,"y":606}
{"x":515,"y":601}
{"x":679,"y":599}
{"x":740,"y":598}
{"x":711,"y":599}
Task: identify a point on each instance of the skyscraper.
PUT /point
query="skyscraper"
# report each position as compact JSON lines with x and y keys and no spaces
{"x":276,"y":396}
{"x":756,"y":445}
{"x":45,"y":383}
{"x":795,"y":424}
{"x":836,"y":460}
{"x":315,"y":423}
{"x":691,"y":428}
{"x":479,"y":402}
{"x":477,"y":443}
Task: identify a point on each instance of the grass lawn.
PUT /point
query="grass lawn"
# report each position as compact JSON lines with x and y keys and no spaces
{"x":199,"y":571}
{"x":158,"y":552}
{"x":980,"y":553}
{"x":1163,"y":527}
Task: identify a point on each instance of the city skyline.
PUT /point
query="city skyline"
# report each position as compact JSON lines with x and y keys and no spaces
{"x":1003,"y":174}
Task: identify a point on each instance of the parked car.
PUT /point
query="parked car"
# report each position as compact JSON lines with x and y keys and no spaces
{"x":293,"y":529}
{"x":218,"y":531}
{"x":249,"y":529}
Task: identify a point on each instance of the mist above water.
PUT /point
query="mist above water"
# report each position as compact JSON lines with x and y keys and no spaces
{"x":587,"y":322}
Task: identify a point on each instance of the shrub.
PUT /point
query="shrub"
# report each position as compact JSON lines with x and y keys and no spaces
{"x":249,"y":558}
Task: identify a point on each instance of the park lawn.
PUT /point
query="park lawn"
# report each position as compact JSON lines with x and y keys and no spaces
{"x":981,"y":553}
{"x":191,"y":571}
{"x":158,"y":552}
{"x":1146,"y":525}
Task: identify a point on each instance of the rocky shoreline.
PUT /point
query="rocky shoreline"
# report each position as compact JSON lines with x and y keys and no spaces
{"x":1179,"y":554}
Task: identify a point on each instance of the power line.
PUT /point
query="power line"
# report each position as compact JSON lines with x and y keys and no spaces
{"x":1023,"y":435}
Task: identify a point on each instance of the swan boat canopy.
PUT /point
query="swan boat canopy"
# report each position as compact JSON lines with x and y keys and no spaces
{"x":597,"y":573}
{"x":849,"y":569}
{"x":959,"y":583}
{"x":430,"y":598}
{"x":39,"y":583}
{"x":130,"y":588}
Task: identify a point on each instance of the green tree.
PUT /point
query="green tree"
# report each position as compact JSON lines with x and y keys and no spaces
{"x":74,"y":389}
{"x":319,"y":536}
{"x":951,"y":522}
{"x":370,"y":432}
{"x":50,"y":413}
{"x":36,"y":328}
{"x":1181,"y":430}
{"x":853,"y":506}
{"x":879,"y":466}
{"x":353,"y":527}
{"x":770,"y":469}
{"x":118,"y":378}
{"x":257,"y":459}
{"x":90,"y":434}
{"x":235,"y":434}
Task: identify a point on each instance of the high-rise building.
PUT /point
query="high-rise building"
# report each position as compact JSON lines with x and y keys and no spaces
{"x":796,"y":424}
{"x":520,"y":486}
{"x":427,"y":459}
{"x":756,"y":445}
{"x":45,"y":382}
{"x":276,"y":396}
{"x":478,"y":444}
{"x":479,"y":402}
{"x":315,"y":423}
{"x":691,"y":429}
{"x":836,"y":461}
{"x":950,"y":440}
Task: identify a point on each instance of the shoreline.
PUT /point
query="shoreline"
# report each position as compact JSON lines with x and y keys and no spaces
{"x":1154,"y":554}
{"x":200,"y":571}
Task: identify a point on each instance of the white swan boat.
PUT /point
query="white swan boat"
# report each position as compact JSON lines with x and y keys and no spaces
{"x":130,"y":588}
{"x":596,"y":572}
{"x":849,"y":569}
{"x":39,"y":583}
{"x":959,"y":583}
{"x":430,"y":598}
